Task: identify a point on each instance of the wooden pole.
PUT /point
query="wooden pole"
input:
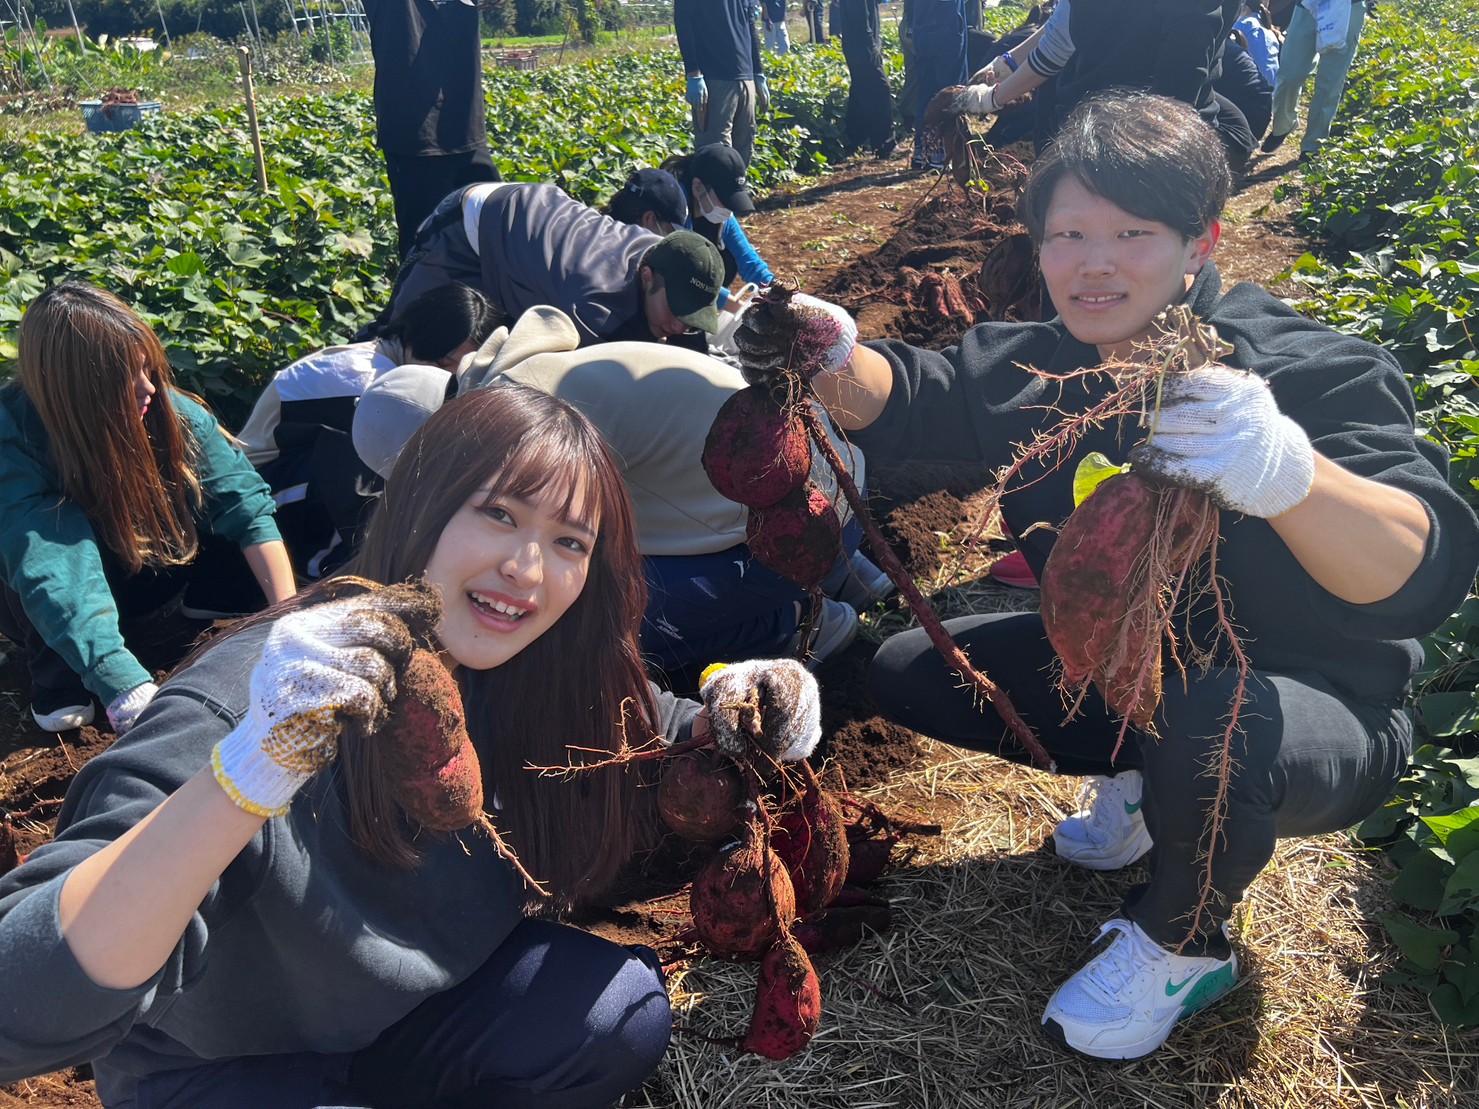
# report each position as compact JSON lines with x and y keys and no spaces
{"x":244,"y":57}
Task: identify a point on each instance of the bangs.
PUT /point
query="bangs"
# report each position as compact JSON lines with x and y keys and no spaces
{"x":560,"y":462}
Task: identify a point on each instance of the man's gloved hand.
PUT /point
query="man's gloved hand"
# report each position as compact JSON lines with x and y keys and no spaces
{"x":1220,"y":431}
{"x":769,"y":704}
{"x":697,"y":93}
{"x":321,"y":667}
{"x":993,"y":72}
{"x":800,"y":332}
{"x":762,"y":94}
{"x":123,"y":711}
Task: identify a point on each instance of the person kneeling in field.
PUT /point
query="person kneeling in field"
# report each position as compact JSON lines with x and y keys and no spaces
{"x":709,"y":599}
{"x":280,"y":888}
{"x":1342,"y":543}
{"x":527,"y":244}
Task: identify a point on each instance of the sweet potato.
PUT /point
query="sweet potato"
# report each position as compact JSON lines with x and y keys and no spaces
{"x":788,"y":1003}
{"x":811,"y":840}
{"x":1101,"y":587}
{"x":868,"y":855}
{"x":798,"y":537}
{"x":842,"y":926}
{"x":756,"y":452}
{"x":742,"y":899}
{"x":701,"y":796}
{"x":430,"y":765}
{"x":9,"y":859}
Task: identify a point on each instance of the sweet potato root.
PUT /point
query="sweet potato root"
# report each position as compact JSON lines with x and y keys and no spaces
{"x":842,"y":926}
{"x":701,"y":796}
{"x":742,"y":899}
{"x":788,"y":1003}
{"x":811,"y":840}
{"x":798,"y":537}
{"x":430,"y":764}
{"x":756,"y":452}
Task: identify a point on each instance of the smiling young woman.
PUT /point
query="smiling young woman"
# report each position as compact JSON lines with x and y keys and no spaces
{"x":234,"y":914}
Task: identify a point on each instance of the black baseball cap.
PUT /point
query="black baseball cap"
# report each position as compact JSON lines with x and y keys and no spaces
{"x":720,"y":167}
{"x":692,"y":273}
{"x":660,"y":193}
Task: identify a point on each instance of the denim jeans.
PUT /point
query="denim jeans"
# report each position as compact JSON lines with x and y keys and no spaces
{"x":1297,"y":61}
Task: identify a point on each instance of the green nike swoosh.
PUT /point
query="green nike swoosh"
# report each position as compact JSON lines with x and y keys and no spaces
{"x":1131,"y":810}
{"x":1172,"y":989}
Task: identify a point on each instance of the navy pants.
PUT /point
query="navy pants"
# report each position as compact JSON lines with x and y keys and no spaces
{"x":557,"y":1018}
{"x":869,"y":118}
{"x":939,"y":51}
{"x":724,"y":607}
{"x":1309,"y":759}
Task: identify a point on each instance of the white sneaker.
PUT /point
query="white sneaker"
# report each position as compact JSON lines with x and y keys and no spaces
{"x":1108,"y":832}
{"x":834,"y":633}
{"x":1124,"y":1002}
{"x":865,"y":584}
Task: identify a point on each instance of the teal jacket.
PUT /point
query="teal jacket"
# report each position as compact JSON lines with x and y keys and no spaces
{"x":49,"y":552}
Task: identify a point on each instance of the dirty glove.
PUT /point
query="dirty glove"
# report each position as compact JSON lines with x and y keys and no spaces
{"x":123,"y":710}
{"x":1220,"y":431}
{"x":320,"y":667}
{"x":976,"y":100}
{"x":762,"y":94}
{"x":997,"y":70}
{"x":803,"y":333}
{"x":697,"y":94}
{"x":769,"y":704}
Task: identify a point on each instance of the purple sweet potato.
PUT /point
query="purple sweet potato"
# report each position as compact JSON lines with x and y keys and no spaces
{"x":742,"y":899}
{"x":1100,"y":586}
{"x":756,"y":452}
{"x":431,"y":768}
{"x":701,"y":796}
{"x":788,"y":1003}
{"x":811,"y":840}
{"x":842,"y":926}
{"x":799,"y":537}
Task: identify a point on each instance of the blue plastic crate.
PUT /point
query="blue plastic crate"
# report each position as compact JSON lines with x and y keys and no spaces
{"x":116,"y":117}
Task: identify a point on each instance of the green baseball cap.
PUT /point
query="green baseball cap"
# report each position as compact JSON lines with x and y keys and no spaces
{"x":693,"y":273}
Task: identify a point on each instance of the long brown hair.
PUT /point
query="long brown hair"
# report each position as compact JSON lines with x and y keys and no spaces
{"x":581,"y":684}
{"x":80,"y":351}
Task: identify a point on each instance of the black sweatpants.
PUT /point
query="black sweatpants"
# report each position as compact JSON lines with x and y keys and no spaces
{"x":417,"y":185}
{"x":870,"y":105}
{"x":1309,"y":759}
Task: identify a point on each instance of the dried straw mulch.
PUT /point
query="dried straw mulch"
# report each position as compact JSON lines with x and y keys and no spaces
{"x":944,"y":1010}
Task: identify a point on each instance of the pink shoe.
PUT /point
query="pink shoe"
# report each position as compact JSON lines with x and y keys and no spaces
{"x":1013,"y":570}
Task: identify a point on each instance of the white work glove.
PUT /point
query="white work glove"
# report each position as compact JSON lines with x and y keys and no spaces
{"x":976,"y":100}
{"x":770,"y":704}
{"x":805,"y":333}
{"x":123,"y":710}
{"x":320,"y":667}
{"x":993,"y":72}
{"x":1220,"y":431}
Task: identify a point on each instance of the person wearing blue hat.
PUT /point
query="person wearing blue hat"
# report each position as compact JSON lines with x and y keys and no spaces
{"x":651,"y":198}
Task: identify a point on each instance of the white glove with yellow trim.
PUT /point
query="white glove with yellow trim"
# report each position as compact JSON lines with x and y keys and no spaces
{"x":320,"y":667}
{"x":772,"y":704}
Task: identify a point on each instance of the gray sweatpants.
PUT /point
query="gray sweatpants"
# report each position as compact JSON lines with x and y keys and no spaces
{"x":729,"y":117}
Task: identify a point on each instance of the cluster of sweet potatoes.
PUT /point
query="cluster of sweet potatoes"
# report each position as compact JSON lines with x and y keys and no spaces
{"x":787,"y":883}
{"x":758,"y":454}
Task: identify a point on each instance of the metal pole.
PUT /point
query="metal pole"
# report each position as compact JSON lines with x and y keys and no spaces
{"x":81,"y":39}
{"x":163,"y":26}
{"x":255,"y":23}
{"x":294,"y":19}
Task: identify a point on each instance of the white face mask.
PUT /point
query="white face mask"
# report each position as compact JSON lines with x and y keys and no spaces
{"x":708,"y":208}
